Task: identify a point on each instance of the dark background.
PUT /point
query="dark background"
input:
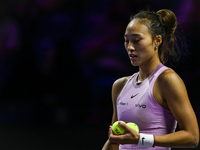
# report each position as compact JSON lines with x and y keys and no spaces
{"x":58,"y":61}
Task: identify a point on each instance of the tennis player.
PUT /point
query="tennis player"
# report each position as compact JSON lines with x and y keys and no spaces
{"x":155,"y":97}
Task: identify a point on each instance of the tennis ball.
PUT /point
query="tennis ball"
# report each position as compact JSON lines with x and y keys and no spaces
{"x":133,"y":126}
{"x":117,"y":130}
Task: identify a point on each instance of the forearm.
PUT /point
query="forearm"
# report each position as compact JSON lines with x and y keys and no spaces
{"x":110,"y":146}
{"x":177,"y":139}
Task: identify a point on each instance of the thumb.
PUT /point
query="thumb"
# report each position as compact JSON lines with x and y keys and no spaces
{"x":124,"y":125}
{"x":127,"y":128}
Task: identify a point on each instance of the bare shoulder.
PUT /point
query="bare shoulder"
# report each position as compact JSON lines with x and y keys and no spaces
{"x":119,"y":83}
{"x":118,"y":86}
{"x":170,"y":83}
{"x":169,"y":77}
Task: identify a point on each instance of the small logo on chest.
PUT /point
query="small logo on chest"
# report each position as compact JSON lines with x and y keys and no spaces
{"x":140,"y":106}
{"x":134,"y":95}
{"x":121,"y":103}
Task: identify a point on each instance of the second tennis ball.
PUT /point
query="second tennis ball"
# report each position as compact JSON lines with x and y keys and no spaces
{"x":117,"y":130}
{"x":133,"y":126}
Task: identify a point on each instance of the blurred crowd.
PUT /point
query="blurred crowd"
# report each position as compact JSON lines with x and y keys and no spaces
{"x":59,"y":58}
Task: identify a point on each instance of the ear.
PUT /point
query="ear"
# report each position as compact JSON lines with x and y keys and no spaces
{"x":158,"y":40}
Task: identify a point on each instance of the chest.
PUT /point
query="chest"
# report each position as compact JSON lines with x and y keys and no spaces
{"x":135,"y":103}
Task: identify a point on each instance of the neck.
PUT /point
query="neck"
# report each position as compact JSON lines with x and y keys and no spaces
{"x":145,"y":71}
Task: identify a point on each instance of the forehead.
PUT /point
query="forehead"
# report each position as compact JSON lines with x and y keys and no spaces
{"x":137,"y":27}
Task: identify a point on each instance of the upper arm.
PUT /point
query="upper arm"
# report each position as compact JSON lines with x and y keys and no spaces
{"x":116,"y":89}
{"x":175,"y":94}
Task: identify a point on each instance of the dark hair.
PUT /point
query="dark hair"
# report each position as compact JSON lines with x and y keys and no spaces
{"x":164,"y":23}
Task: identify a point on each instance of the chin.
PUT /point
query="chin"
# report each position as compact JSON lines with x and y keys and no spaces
{"x":134,"y":64}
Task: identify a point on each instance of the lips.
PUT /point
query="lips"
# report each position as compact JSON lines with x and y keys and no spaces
{"x":132,"y":55}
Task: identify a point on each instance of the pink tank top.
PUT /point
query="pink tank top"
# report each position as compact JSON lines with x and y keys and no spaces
{"x":136,"y":104}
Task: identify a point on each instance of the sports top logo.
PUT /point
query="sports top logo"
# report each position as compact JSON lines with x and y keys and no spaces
{"x":122,"y":103}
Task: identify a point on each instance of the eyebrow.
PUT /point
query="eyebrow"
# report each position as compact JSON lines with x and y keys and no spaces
{"x":133,"y":35}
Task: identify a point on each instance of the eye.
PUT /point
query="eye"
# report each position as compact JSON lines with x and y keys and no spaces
{"x":136,"y":41}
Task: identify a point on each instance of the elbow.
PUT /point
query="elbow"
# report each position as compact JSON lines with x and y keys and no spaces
{"x":194,"y":145}
{"x":195,"y":142}
{"x":191,"y":140}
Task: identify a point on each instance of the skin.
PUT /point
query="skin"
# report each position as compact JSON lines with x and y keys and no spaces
{"x":169,"y":91}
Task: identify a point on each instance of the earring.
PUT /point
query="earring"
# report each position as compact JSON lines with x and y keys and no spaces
{"x":156,"y":47}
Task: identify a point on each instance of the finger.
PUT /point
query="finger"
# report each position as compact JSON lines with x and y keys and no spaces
{"x":110,"y":131}
{"x":115,"y":138}
{"x":123,"y":125}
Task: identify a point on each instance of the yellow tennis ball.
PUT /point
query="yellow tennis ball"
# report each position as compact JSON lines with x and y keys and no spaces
{"x":133,"y":126}
{"x":117,"y":130}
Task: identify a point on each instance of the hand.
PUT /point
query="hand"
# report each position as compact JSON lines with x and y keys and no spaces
{"x":129,"y":137}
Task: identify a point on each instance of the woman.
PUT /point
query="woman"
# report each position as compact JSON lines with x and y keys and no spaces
{"x":155,"y":98}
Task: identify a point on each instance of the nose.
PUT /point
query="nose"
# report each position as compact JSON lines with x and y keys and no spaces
{"x":130,"y":46}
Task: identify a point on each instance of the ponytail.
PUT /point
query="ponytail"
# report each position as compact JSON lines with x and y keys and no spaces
{"x":164,"y":23}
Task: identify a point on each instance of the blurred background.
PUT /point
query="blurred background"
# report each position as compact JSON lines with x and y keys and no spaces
{"x":58,"y":61}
